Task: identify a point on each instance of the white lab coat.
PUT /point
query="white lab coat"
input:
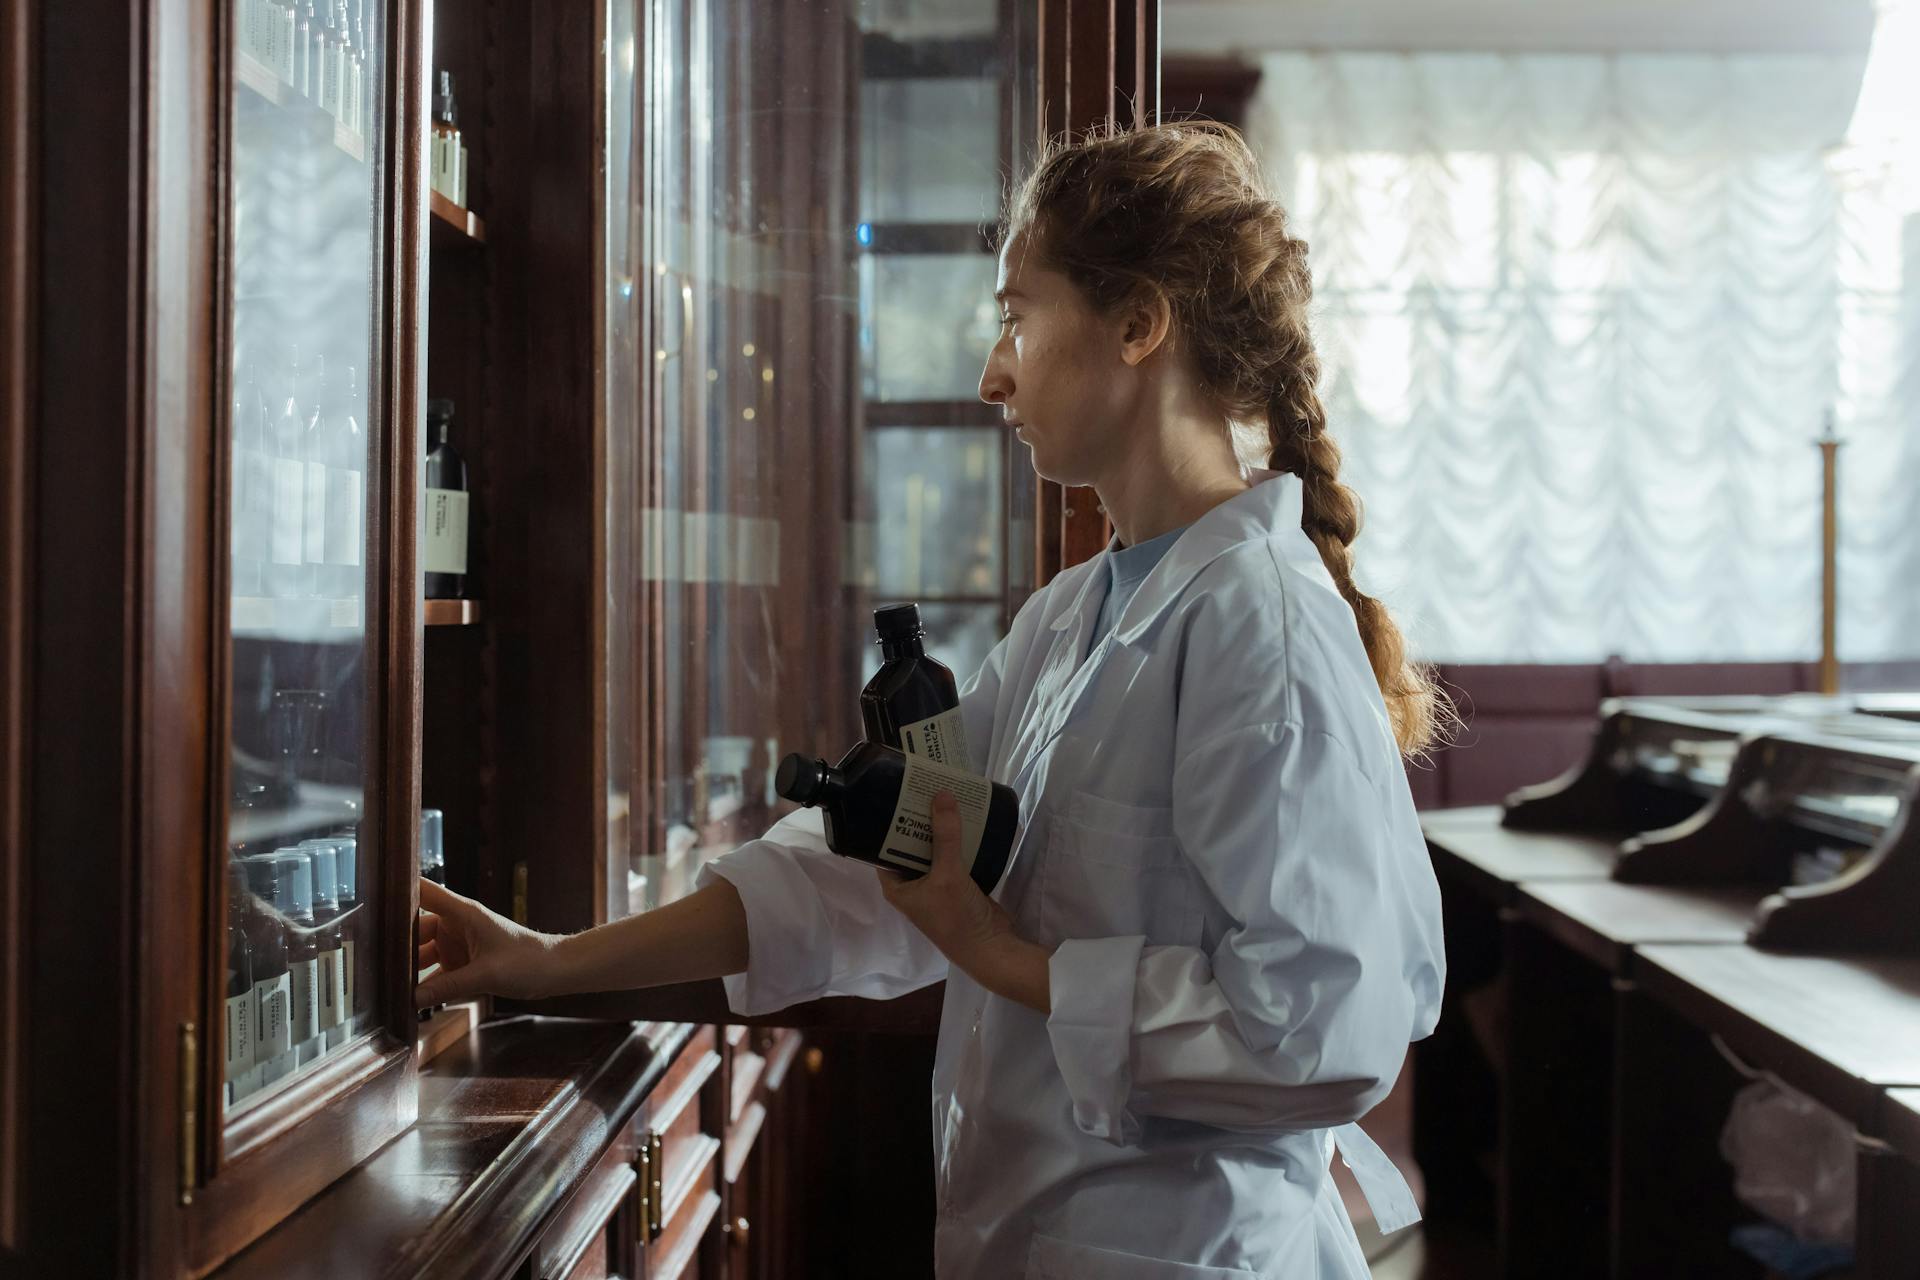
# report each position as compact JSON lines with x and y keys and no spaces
{"x":1220,"y":850}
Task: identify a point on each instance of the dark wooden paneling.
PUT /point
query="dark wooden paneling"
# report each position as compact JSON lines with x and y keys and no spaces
{"x":89,"y":419}
{"x":1210,"y":88}
{"x":18,"y":252}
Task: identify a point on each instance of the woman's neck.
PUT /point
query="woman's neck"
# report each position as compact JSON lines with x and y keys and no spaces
{"x":1181,"y":469}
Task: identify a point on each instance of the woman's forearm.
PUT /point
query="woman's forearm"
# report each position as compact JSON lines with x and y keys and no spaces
{"x":703,"y":935}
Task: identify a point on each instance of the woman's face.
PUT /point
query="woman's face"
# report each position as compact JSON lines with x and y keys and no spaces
{"x":1056,"y":370}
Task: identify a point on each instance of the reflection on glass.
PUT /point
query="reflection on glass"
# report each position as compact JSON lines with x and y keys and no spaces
{"x":926,"y":324}
{"x":940,"y":507}
{"x":304,"y":220}
{"x":928,"y":151}
{"x":961,"y":635}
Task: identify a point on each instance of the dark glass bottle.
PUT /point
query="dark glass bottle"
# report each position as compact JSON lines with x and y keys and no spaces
{"x":878,"y":807}
{"x":444,"y":554}
{"x":912,"y":704}
{"x":272,"y":983}
{"x":241,"y":1001}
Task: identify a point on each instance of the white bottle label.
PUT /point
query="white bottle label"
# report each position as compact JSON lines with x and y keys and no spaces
{"x":344,"y":498}
{"x":346,"y":980}
{"x":313,"y":540}
{"x":909,"y":843}
{"x":253,"y":523}
{"x":289,"y":498}
{"x":941,"y":739}
{"x":306,"y":999}
{"x":273,"y":1032}
{"x":330,"y":77}
{"x":332,"y":1011}
{"x":284,"y":41}
{"x":239,"y":1044}
{"x":446,"y":546}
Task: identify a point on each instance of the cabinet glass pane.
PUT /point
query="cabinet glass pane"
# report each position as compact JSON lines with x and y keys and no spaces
{"x":927,"y":322}
{"x":929,"y":151}
{"x":937,"y":496}
{"x":304,"y":220}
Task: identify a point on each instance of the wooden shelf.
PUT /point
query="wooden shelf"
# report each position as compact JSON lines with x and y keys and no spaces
{"x":451,"y":613}
{"x":454,"y":225}
{"x":265,"y":84}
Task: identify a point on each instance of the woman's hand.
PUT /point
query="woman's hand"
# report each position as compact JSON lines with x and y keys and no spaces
{"x":478,"y":951}
{"x":973,"y":931}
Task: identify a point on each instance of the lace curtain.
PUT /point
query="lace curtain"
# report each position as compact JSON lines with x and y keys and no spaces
{"x":1582,"y":318}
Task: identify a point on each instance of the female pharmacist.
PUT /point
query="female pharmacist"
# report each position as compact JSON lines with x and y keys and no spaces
{"x":1220,"y":930}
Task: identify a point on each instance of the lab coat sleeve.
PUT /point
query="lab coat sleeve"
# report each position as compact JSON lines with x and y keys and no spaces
{"x":1300,"y":1016}
{"x":817,"y":924}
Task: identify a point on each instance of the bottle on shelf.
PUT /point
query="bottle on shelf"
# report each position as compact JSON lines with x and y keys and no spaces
{"x":443,"y":556}
{"x":332,"y":46}
{"x":353,"y":932}
{"x":303,"y":34}
{"x":448,"y":154}
{"x":272,"y":981}
{"x":362,"y":116}
{"x":912,"y":704}
{"x":294,"y":885}
{"x":288,"y":577}
{"x":240,"y":1077}
{"x":344,"y":445}
{"x":332,"y":1015}
{"x":350,"y":37}
{"x":877,"y":804}
{"x":286,"y":24}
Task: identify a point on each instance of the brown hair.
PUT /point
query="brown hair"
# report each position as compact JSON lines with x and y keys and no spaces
{"x":1179,"y":210}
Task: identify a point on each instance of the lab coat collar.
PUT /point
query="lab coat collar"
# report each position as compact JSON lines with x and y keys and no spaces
{"x":1268,"y":510}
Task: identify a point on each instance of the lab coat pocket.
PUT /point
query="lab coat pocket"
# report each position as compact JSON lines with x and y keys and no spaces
{"x":1115,"y":870}
{"x":1050,"y":1258}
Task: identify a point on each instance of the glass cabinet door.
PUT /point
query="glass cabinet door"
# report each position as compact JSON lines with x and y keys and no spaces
{"x":306,"y":225}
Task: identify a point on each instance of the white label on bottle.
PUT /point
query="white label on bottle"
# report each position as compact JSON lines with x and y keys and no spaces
{"x":331,"y":1010}
{"x":239,"y":1044}
{"x":330,"y":77}
{"x":941,"y":739}
{"x":289,"y":498}
{"x":314,"y":538}
{"x":306,"y":999}
{"x":446,"y":547}
{"x":285,"y":42}
{"x":343,"y":516}
{"x":909,"y":843}
{"x":347,"y":979}
{"x":255,"y":519}
{"x":273,"y":1032}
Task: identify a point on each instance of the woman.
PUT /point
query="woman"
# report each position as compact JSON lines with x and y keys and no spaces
{"x":1220,"y":930}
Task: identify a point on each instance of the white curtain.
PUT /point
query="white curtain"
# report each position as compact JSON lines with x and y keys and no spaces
{"x":1582,"y":318}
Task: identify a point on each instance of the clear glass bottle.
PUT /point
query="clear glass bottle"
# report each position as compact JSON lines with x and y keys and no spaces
{"x":303,"y":952}
{"x":345,"y":449}
{"x":303,"y":67}
{"x":314,"y":449}
{"x":326,"y":918}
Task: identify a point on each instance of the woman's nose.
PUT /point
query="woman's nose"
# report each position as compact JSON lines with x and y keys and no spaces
{"x":995,"y":385}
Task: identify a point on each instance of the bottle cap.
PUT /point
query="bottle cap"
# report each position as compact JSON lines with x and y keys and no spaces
{"x":898,"y":621}
{"x":263,"y":877}
{"x":439,"y":410}
{"x":326,"y":878}
{"x":346,"y":871}
{"x":800,"y":779}
{"x":297,"y":883}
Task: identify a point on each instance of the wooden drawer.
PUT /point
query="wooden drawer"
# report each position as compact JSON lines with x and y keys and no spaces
{"x":682,"y":1204}
{"x":582,"y":1228}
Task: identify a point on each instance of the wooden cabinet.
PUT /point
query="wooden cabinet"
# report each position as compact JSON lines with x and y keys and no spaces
{"x":228,"y":296}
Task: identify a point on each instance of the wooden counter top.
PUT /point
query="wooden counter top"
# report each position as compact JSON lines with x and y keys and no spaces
{"x":511,"y":1119}
{"x":1841,"y":1030}
{"x":1470,"y":845}
{"x":1606,"y":921}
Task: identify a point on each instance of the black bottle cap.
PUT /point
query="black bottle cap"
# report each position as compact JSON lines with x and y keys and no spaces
{"x":801,"y":780}
{"x":898,"y":621}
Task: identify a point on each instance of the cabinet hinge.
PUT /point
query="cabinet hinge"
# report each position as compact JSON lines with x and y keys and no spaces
{"x":189,"y":1111}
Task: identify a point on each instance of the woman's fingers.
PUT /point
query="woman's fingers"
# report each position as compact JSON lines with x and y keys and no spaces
{"x":429,"y":927}
{"x":429,"y":955}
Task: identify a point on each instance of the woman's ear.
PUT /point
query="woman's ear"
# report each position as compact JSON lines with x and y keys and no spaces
{"x":1147,"y":322}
